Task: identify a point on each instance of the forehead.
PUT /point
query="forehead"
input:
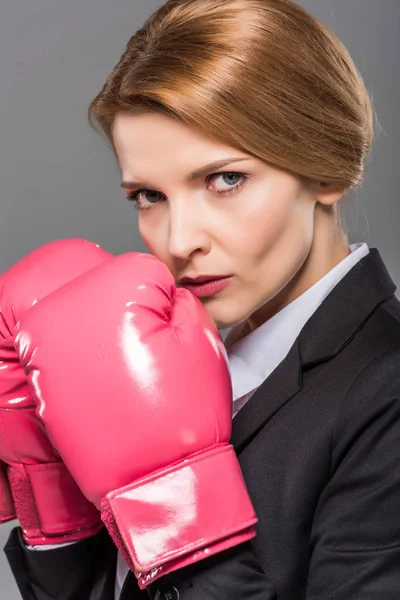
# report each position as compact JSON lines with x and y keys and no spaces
{"x":149,"y":139}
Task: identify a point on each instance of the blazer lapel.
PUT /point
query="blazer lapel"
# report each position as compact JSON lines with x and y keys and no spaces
{"x":329,"y":329}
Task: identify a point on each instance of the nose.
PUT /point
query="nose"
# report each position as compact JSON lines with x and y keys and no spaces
{"x":187,"y":231}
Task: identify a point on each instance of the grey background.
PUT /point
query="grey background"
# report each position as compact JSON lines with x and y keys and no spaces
{"x":59,"y":179}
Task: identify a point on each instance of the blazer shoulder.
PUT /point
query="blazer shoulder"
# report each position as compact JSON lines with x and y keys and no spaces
{"x":391,"y":308}
{"x":374,"y":394}
{"x":380,"y":334}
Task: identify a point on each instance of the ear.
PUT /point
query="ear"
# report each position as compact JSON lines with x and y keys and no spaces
{"x":327,"y":194}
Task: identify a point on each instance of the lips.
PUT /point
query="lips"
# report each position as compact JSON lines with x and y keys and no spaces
{"x":206,"y":285}
{"x":200,"y":279}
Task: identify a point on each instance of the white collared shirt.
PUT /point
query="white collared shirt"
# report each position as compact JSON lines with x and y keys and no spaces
{"x":253,"y":358}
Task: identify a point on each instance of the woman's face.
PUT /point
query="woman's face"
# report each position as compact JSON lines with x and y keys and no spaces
{"x":207,"y":210}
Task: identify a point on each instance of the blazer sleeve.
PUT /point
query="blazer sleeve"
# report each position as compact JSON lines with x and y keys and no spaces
{"x":356,"y":533}
{"x":81,"y":571}
{"x":231,"y":575}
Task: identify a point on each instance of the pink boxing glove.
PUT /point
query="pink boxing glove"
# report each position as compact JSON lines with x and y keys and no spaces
{"x":49,"y":505}
{"x":138,"y":403}
{"x":7,"y":510}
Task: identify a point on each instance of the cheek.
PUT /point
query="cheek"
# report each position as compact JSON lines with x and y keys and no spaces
{"x":154,"y":233}
{"x":273,"y":243}
{"x":151,"y":234}
{"x":262,"y":225}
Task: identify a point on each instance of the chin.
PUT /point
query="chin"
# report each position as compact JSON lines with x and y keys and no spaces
{"x":223,"y":315}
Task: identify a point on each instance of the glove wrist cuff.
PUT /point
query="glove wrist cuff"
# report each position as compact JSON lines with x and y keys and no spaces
{"x":50,"y":506}
{"x":180,"y":515}
{"x":7,"y":510}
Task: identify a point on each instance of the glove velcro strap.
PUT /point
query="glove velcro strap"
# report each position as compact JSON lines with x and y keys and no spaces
{"x":49,"y":504}
{"x":7,"y":510}
{"x":181,"y":510}
{"x":146,"y":578}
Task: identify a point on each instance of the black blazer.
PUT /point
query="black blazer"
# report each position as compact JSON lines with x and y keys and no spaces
{"x":319,"y":447}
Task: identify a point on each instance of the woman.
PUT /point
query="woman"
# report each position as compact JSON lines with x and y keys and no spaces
{"x":239,"y":127}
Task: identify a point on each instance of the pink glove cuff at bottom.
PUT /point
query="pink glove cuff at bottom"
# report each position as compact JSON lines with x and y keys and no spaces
{"x":7,"y":510}
{"x":181,"y":514}
{"x":50,"y":506}
{"x":145,"y":579}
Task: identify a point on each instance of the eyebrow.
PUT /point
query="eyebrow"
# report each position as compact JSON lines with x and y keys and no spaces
{"x":202,"y":172}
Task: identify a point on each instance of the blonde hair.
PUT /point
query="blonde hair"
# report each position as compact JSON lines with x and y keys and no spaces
{"x":262,"y":76}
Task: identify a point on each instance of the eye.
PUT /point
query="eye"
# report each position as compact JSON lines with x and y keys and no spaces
{"x":141,"y":201}
{"x":230,"y":182}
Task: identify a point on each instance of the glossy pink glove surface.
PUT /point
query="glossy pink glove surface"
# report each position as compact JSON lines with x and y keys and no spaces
{"x":49,"y":505}
{"x":139,"y":405}
{"x":7,"y":510}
